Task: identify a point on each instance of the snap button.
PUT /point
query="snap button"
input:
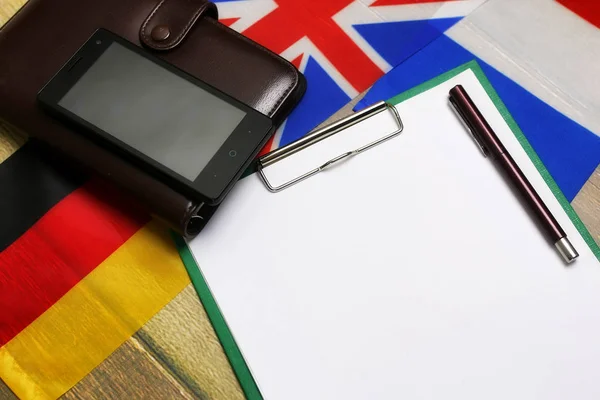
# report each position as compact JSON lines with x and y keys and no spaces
{"x":169,"y":23}
{"x":160,"y":33}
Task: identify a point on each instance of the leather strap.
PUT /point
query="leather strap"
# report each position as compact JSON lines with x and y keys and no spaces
{"x":171,"y":20}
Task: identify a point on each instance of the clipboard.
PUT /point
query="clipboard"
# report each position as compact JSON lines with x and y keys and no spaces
{"x":322,"y":134}
{"x":211,"y":280}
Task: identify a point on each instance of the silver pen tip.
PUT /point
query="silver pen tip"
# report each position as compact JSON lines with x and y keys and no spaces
{"x":566,"y":250}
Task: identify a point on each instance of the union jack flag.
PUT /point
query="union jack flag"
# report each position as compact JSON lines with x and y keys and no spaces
{"x":341,"y":46}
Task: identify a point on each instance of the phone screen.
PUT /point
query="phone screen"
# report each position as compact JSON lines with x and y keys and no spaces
{"x":151,"y":109}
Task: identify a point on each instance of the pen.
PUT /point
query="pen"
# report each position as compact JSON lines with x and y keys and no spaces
{"x":491,"y":146}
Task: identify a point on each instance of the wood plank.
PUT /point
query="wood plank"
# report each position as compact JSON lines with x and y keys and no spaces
{"x":131,"y":372}
{"x":5,"y":392}
{"x":177,"y":354}
{"x":181,"y":335}
{"x":587,"y":205}
{"x":8,"y":8}
{"x":10,"y":140}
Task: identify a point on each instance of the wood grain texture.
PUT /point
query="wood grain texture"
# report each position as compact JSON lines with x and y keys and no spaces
{"x":131,"y":372}
{"x":8,"y":8}
{"x":181,"y":335}
{"x":178,"y":363}
{"x":587,"y":205}
{"x":176,"y":354}
{"x":6,"y":393}
{"x":10,"y":140}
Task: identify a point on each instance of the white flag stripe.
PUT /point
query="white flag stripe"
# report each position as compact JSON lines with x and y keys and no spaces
{"x":248,"y":12}
{"x":415,"y":12}
{"x":361,"y":12}
{"x":354,"y":14}
{"x":548,"y":50}
{"x":457,"y":8}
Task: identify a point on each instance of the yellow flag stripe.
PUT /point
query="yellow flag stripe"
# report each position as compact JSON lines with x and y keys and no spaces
{"x":95,"y":317}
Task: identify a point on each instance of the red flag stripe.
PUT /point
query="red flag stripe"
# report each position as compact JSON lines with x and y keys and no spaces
{"x":586,"y":9}
{"x":267,"y":147}
{"x":60,"y":249}
{"x":299,"y":21}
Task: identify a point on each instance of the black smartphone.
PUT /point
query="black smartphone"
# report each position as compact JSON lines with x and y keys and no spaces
{"x":180,"y":129}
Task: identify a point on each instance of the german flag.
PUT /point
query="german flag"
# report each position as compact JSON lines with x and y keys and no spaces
{"x":81,"y":270}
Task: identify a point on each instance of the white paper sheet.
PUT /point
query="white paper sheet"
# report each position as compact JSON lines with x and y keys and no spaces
{"x":410,"y":272}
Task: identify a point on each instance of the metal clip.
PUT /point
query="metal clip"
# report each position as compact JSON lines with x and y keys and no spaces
{"x":323,"y":133}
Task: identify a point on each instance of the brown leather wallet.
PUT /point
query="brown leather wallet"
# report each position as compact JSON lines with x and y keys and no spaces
{"x":44,"y":34}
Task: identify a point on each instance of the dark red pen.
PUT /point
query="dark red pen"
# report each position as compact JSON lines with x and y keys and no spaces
{"x":491,"y":146}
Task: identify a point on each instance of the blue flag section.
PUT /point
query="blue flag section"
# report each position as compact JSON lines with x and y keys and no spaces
{"x":569,"y":151}
{"x":414,"y":36}
{"x":323,"y":97}
{"x":341,"y":46}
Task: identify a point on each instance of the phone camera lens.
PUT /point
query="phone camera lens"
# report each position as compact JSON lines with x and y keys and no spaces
{"x":232,"y":153}
{"x":98,"y":41}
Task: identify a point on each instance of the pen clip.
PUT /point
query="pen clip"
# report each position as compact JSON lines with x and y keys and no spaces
{"x":468,"y":127}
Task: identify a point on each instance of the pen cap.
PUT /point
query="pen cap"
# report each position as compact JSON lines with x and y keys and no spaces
{"x":566,"y":250}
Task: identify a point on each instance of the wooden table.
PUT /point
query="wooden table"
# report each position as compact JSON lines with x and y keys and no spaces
{"x":176,"y":354}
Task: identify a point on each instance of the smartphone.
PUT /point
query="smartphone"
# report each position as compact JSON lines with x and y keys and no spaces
{"x":176,"y":127}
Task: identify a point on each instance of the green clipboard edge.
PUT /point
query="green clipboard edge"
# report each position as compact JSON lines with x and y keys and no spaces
{"x":512,"y":124}
{"x":232,"y":351}
{"x":225,"y":336}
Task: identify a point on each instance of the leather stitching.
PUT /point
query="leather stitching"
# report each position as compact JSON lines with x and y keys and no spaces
{"x":144,"y":36}
{"x":191,"y":22}
{"x":288,"y":65}
{"x":174,"y":42}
